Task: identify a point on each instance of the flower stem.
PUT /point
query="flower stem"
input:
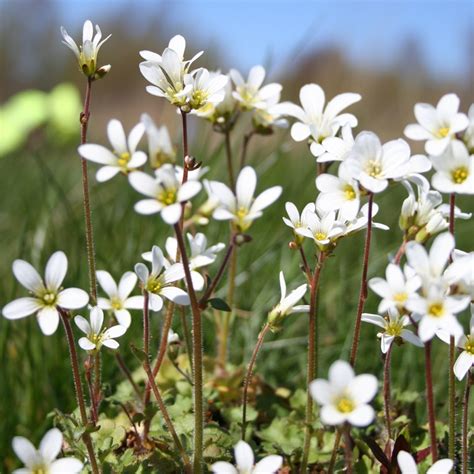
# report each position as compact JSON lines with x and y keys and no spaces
{"x":187,"y":336}
{"x":400,"y":253}
{"x":335,"y":449}
{"x":159,"y":360}
{"x":312,"y":359}
{"x":245,"y":144}
{"x":430,"y":402}
{"x":197,"y":358}
{"x":465,"y":424}
{"x":146,"y":325}
{"x":347,"y":448}
{"x":249,"y":374}
{"x":228,"y":152}
{"x":386,"y":392}
{"x":97,"y":382}
{"x":363,"y":283}
{"x":184,"y":123}
{"x":128,"y":375}
{"x":225,"y":328}
{"x":166,"y":417}
{"x":84,"y":119}
{"x":306,"y":269}
{"x":78,"y":389}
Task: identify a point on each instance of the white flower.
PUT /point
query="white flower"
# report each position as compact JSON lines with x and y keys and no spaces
{"x":160,"y":281}
{"x":339,"y":193}
{"x":250,"y":94}
{"x":118,"y":299}
{"x":96,"y":336}
{"x":466,"y":359}
{"x":362,"y":220}
{"x":242,"y":208}
{"x":123,"y":159}
{"x":296,"y":220}
{"x":407,"y":465}
{"x":393,"y":327}
{"x":323,"y":228}
{"x":398,"y":287}
{"x":454,"y":170}
{"x":461,"y":272}
{"x":160,"y":148}
{"x":287,"y":304}
{"x":374,"y":164}
{"x":345,"y":397}
{"x":172,"y":338}
{"x":437,"y":125}
{"x":245,"y":461}
{"x":165,"y":191}
{"x":335,"y":148}
{"x":316,"y":121}
{"x":166,"y":72}
{"x":46,"y":295}
{"x":86,"y":53}
{"x":207,"y":89}
{"x":269,"y":115}
{"x":437,"y":311}
{"x":43,"y":460}
{"x":469,"y":132}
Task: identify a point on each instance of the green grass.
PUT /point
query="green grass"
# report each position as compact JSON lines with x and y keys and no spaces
{"x":42,"y":212}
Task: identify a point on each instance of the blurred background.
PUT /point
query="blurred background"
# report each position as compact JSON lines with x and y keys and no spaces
{"x":393,"y":53}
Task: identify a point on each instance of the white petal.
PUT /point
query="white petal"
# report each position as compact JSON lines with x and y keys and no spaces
{"x":134,"y":302}
{"x":374,"y":319}
{"x":123,"y":316}
{"x":106,"y":172}
{"x":21,"y":308}
{"x":69,"y":465}
{"x":50,"y":445}
{"x":127,"y":284}
{"x":135,"y":136}
{"x":330,"y":416}
{"x":73,"y":298}
{"x":97,"y":319}
{"x":56,"y":269}
{"x":440,"y":252}
{"x":27,"y":275}
{"x":188,"y":190}
{"x":266,"y":198}
{"x":256,"y":77}
{"x":223,"y":467}
{"x":24,"y":450}
{"x":245,"y":187}
{"x":97,"y":154}
{"x":144,"y":183}
{"x":48,"y":320}
{"x":340,"y":374}
{"x":171,"y":214}
{"x":406,"y":463}
{"x":155,"y":302}
{"x":177,"y":295}
{"x":300,"y":131}
{"x":85,"y":344}
{"x":339,"y":103}
{"x":443,"y":466}
{"x":268,"y":465}
{"x":244,"y":456}
{"x":82,"y":324}
{"x":115,"y":331}
{"x":463,"y":364}
{"x":110,"y":343}
{"x":138,"y":159}
{"x":321,"y":391}
{"x":148,"y":206}
{"x":363,"y":415}
{"x":363,"y":388}
{"x":117,"y":137}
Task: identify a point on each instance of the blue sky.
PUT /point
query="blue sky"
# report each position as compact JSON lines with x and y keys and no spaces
{"x":371,"y":32}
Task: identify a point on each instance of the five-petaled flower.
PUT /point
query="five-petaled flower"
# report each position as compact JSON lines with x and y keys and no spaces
{"x":407,"y":465}
{"x":46,"y":295}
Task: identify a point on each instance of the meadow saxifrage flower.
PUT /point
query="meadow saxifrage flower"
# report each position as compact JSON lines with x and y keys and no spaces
{"x":124,"y":156}
{"x":96,"y":337}
{"x":46,"y":295}
{"x":407,"y":465}
{"x":118,"y":296}
{"x":160,"y":148}
{"x":43,"y":459}
{"x":344,"y":397}
{"x":245,"y":462}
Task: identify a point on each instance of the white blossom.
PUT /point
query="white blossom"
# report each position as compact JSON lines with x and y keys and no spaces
{"x":407,"y":465}
{"x":160,"y":148}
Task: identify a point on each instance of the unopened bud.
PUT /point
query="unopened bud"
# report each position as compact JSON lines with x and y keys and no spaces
{"x":241,"y":239}
{"x":293,"y":245}
{"x":101,"y":72}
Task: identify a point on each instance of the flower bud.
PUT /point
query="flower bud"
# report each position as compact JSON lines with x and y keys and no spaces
{"x":101,"y":72}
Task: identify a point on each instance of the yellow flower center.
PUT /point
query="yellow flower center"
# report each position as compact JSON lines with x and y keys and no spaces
{"x":400,"y":297}
{"x":116,"y":303}
{"x":442,"y":132}
{"x":373,"y":168}
{"x":460,"y":174}
{"x":123,"y":160}
{"x":154,"y":285}
{"x":39,"y":470}
{"x":349,"y":192}
{"x":49,"y":298}
{"x":96,"y":339}
{"x":198,"y":99}
{"x":167,"y":196}
{"x":320,"y":236}
{"x":436,"y":310}
{"x":469,"y":345}
{"x":345,"y":405}
{"x":394,"y":328}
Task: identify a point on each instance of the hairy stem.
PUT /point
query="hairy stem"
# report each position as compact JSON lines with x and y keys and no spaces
{"x":363,"y":284}
{"x":386,"y":392}
{"x":335,"y":449}
{"x":465,"y":424}
{"x":86,"y":200}
{"x":430,"y":402}
{"x":304,"y":261}
{"x":230,"y":166}
{"x":249,"y":374}
{"x":245,"y":145}
{"x":347,"y":448}
{"x":146,"y":325}
{"x":187,"y":335}
{"x":128,"y":375}
{"x":312,"y":359}
{"x":184,"y":123}
{"x":197,"y":358}
{"x":97,"y":382}
{"x":78,"y":389}
{"x":400,"y":253}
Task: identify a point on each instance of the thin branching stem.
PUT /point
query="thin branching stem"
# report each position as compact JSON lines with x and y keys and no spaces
{"x":347,"y":448}
{"x":386,"y":392}
{"x":335,"y":449}
{"x":249,"y":375}
{"x":228,"y":152}
{"x":128,"y":375}
{"x":465,"y":423}
{"x":245,"y":145}
{"x":430,"y":402}
{"x":305,"y":265}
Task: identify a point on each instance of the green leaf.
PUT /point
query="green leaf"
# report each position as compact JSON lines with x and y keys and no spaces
{"x":219,"y":304}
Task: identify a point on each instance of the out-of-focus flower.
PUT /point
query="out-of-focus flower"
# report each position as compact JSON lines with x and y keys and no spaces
{"x":362,"y":220}
{"x":165,"y":192}
{"x":46,"y":295}
{"x":269,"y":116}
{"x":87,"y":53}
{"x":438,"y":126}
{"x":119,"y":300}
{"x":407,"y":465}
{"x":394,"y":328}
{"x":454,"y":170}
{"x":123,"y":159}
{"x":335,"y":148}
{"x":461,"y":271}
{"x":242,"y":208}
{"x":43,"y":460}
{"x":207,"y":89}
{"x":287,"y":304}
{"x":160,"y":148}
{"x":96,"y":337}
{"x":469,"y":132}
{"x":344,"y":397}
{"x":374,"y":164}
{"x":173,"y":338}
{"x":245,"y":462}
{"x":296,"y":220}
{"x":317,"y":121}
{"x":159,"y":283}
{"x":250,"y":94}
